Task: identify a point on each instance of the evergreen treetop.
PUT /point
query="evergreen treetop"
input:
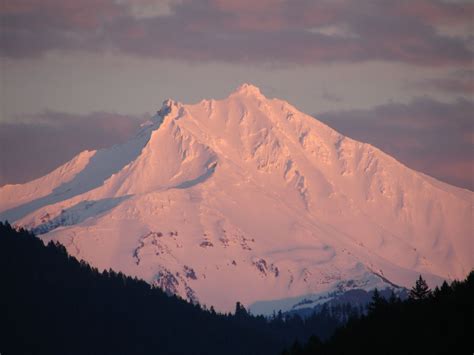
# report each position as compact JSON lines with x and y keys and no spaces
{"x":420,"y":290}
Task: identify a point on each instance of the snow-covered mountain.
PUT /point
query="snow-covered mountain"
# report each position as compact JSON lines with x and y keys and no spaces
{"x":248,"y":199}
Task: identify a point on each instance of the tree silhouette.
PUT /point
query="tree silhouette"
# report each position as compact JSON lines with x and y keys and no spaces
{"x":420,"y":290}
{"x":393,"y":298}
{"x":240,"y":311}
{"x":445,"y":289}
{"x":377,"y":302}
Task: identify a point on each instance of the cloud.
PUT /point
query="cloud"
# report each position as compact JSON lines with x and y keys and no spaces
{"x":461,"y":82}
{"x":425,"y":134}
{"x":33,"y":27}
{"x":438,"y":12}
{"x":243,"y":31}
{"x":42,"y":142}
{"x":331,"y":97}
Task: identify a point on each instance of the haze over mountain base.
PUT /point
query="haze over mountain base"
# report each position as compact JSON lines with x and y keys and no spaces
{"x":247,"y":199}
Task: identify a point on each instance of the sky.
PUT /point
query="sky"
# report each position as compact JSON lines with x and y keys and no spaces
{"x":84,"y":74}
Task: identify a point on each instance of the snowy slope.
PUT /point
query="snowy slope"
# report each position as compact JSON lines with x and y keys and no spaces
{"x":249,"y":199}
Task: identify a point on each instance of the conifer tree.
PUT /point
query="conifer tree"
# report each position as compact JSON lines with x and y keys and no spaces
{"x":240,"y":311}
{"x":377,"y":302}
{"x":445,"y":289}
{"x":393,"y":298}
{"x":420,"y":290}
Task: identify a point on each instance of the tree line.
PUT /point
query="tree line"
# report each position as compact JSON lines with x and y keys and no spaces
{"x":51,"y":303}
{"x":428,"y":322}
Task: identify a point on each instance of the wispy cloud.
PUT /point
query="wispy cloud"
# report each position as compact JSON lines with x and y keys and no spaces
{"x":274,"y":31}
{"x":427,"y":135}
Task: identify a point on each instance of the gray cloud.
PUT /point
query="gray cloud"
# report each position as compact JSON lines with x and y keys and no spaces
{"x":430,"y":136}
{"x":275,"y":31}
{"x":461,"y":82}
{"x":42,"y":142}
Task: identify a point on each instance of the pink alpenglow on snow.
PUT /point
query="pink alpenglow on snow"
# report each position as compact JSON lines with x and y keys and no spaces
{"x":248,"y":199}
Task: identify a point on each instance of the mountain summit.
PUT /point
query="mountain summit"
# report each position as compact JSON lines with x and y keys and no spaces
{"x":248,"y":199}
{"x":248,"y":90}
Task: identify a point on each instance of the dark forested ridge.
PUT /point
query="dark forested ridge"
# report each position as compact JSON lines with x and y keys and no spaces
{"x":50,"y":303}
{"x":438,"y":322}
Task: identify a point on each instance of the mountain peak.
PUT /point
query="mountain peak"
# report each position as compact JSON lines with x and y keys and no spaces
{"x":248,"y":90}
{"x":223,"y":194}
{"x":168,"y":106}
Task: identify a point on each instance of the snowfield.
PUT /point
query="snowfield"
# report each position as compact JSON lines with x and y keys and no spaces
{"x":248,"y":199}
